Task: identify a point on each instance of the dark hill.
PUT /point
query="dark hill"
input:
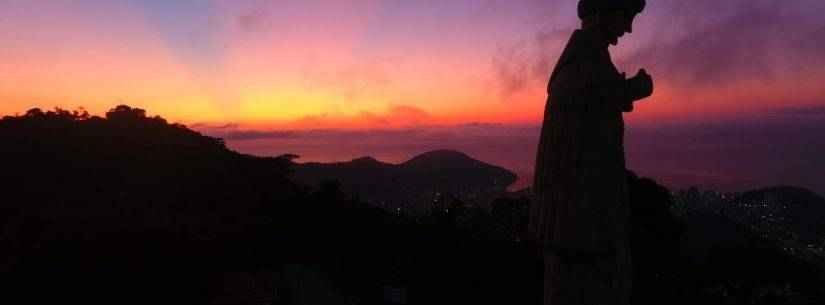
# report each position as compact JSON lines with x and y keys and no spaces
{"x":442,"y":159}
{"x":368,"y":162}
{"x":130,"y":189}
{"x":792,"y":196}
{"x":414,"y":184}
{"x":133,"y":208}
{"x":792,"y":211}
{"x":130,"y":170}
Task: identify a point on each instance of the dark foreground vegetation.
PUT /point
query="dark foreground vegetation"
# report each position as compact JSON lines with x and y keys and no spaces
{"x":129,"y":209}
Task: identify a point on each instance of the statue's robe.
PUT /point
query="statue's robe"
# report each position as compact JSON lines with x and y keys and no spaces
{"x":579,"y":216}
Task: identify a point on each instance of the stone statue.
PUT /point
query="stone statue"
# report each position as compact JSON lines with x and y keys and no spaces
{"x":579,"y":218}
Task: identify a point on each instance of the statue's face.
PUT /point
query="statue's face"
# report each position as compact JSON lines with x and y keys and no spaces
{"x":615,"y":24}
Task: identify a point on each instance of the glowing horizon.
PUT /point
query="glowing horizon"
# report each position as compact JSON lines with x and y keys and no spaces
{"x":385,"y":64}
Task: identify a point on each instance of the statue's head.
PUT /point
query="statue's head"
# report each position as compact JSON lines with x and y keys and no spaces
{"x":613,"y":18}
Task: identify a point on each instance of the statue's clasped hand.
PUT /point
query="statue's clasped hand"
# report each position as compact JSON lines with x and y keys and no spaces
{"x":641,"y":85}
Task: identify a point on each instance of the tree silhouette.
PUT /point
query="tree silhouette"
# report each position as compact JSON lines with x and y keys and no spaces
{"x":123,"y":113}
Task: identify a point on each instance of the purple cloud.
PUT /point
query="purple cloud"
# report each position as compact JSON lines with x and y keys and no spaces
{"x":690,"y":44}
{"x":763,"y":42}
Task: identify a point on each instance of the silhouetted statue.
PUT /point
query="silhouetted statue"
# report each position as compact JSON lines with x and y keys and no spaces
{"x":580,"y":215}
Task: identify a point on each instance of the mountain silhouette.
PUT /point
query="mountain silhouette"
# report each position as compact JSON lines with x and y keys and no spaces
{"x":792,"y":210}
{"x":99,"y":208}
{"x":130,"y":171}
{"x":782,"y":215}
{"x":442,"y":159}
{"x":368,"y":162}
{"x":749,"y":243}
{"x":794,"y":197}
{"x":413,"y":184}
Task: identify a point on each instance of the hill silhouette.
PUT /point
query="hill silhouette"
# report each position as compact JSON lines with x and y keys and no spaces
{"x":131,"y":171}
{"x":88,"y":200}
{"x":795,"y":210}
{"x":131,"y":208}
{"x":785,"y":215}
{"x":413,"y":185}
{"x":753,"y":247}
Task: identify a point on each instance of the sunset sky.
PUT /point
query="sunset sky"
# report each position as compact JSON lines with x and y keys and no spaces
{"x":739,"y":100}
